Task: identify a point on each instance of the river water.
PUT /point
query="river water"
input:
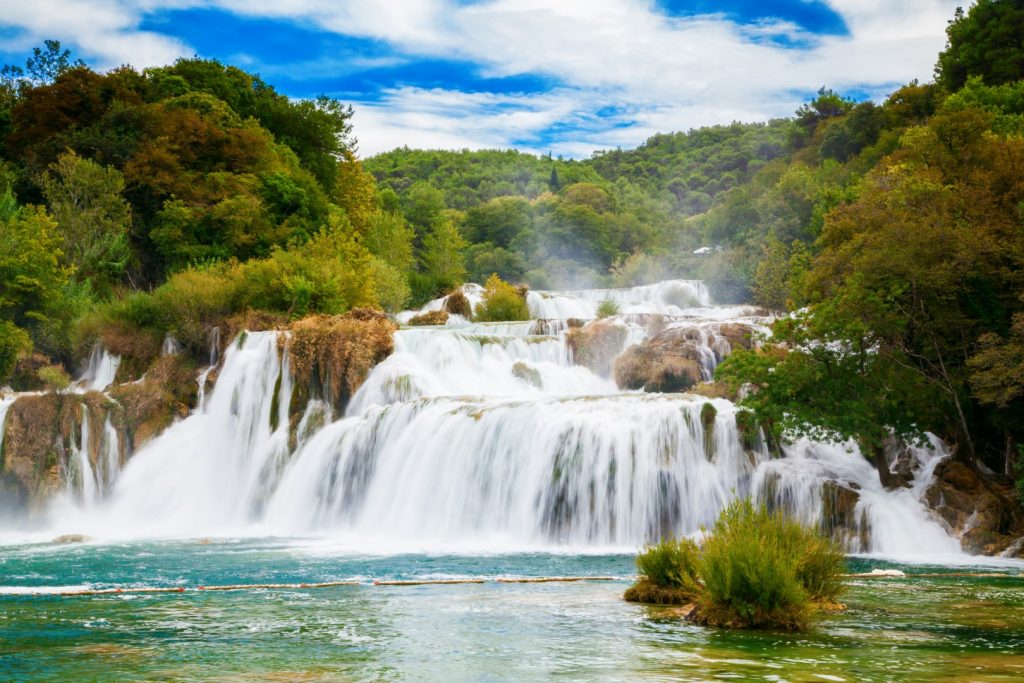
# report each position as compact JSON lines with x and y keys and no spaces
{"x":924,"y":629}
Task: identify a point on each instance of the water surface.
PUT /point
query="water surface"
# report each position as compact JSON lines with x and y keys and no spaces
{"x":934,"y":628}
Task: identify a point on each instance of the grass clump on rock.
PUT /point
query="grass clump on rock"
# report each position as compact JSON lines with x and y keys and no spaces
{"x":607,"y":308}
{"x":429,"y":318}
{"x":754,"y":569}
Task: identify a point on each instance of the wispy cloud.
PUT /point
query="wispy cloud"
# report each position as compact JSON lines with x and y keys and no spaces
{"x":616,"y":70}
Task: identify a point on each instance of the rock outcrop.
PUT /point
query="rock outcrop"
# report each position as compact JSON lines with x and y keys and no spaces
{"x":596,"y":344}
{"x":679,"y":357}
{"x":979,"y":509}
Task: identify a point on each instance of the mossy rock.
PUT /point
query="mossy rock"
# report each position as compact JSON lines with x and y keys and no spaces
{"x":596,"y":345}
{"x":331,"y":356}
{"x":528,"y":374}
{"x":456,"y":303}
{"x":168,"y":392}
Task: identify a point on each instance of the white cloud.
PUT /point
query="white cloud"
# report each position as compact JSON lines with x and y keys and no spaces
{"x":665,"y":73}
{"x":105,"y":31}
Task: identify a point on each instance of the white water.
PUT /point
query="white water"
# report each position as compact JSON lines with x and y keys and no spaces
{"x":485,"y":436}
{"x":101,"y":370}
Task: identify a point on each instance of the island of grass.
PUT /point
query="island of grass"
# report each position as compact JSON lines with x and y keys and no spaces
{"x":755,"y":569}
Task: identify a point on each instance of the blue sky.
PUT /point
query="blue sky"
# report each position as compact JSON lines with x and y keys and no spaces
{"x":568,"y":76}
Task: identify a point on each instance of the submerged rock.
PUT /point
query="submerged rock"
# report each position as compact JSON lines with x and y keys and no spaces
{"x":71,"y":538}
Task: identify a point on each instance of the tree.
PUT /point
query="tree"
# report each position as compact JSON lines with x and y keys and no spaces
{"x":444,"y":254}
{"x":986,"y":41}
{"x":45,"y":65}
{"x":823,"y":377}
{"x":33,"y":280}
{"x":389,"y":237}
{"x":355,"y":191}
{"x":92,"y":216}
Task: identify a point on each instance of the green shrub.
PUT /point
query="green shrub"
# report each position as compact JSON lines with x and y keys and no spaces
{"x":54,"y":377}
{"x":14,"y":342}
{"x":755,"y":569}
{"x":607,"y":308}
{"x":671,"y":564}
{"x":502,"y":302}
{"x":429,"y":318}
{"x":762,"y":570}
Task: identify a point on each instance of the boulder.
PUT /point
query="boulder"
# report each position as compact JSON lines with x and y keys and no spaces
{"x":596,"y":344}
{"x":653,"y":369}
{"x":981,"y":510}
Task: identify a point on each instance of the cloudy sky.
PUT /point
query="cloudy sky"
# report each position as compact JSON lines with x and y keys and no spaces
{"x":567,"y":76}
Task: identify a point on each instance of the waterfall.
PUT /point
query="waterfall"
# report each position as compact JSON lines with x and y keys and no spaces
{"x":488,"y":435}
{"x":101,"y":370}
{"x":80,"y":477}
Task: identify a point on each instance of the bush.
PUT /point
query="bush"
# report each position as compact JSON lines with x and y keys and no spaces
{"x":456,"y":303}
{"x":429,"y":318}
{"x":607,"y":308}
{"x":327,"y":275}
{"x":668,"y":573}
{"x":335,"y":353}
{"x":755,"y":569}
{"x":54,"y":377}
{"x":14,"y":342}
{"x":502,"y":302}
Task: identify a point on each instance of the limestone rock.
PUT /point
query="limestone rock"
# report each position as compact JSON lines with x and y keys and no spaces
{"x":981,"y":510}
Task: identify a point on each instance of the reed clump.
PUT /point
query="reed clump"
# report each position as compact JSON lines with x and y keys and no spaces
{"x":754,"y":569}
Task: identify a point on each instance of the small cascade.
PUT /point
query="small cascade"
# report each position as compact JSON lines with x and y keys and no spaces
{"x":214,"y":356}
{"x":80,"y":477}
{"x":6,"y":401}
{"x":492,"y":434}
{"x":100,"y":371}
{"x":170,"y":347}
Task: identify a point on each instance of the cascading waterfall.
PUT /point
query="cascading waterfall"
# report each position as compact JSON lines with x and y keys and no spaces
{"x":487,"y":435}
{"x":101,"y":370}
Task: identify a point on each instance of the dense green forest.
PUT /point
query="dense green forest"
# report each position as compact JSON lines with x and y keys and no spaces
{"x":134,"y":205}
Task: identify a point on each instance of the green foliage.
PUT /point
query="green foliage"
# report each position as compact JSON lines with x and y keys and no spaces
{"x":14,"y":343}
{"x":54,"y":377}
{"x":753,"y":569}
{"x":607,"y":308}
{"x":761,"y":570}
{"x":985,"y":41}
{"x":391,"y":288}
{"x":501,"y":302}
{"x":672,"y":564}
{"x":92,"y":216}
{"x":1019,"y":472}
{"x":444,"y":260}
{"x":330,"y":274}
{"x":389,"y":237}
